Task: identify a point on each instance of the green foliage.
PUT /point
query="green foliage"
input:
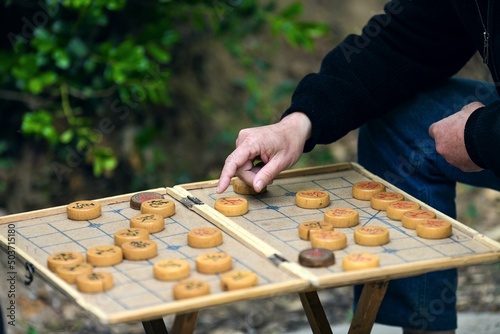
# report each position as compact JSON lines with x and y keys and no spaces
{"x":72,"y":63}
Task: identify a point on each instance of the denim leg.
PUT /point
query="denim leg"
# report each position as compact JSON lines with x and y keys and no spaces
{"x":399,"y":149}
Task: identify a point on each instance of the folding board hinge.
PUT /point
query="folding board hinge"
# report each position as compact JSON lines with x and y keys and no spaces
{"x":277,"y":259}
{"x":190,"y":201}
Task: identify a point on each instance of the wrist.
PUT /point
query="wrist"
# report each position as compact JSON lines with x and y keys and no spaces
{"x":299,"y":123}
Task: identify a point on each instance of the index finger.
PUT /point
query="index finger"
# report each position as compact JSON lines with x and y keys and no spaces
{"x":234,"y":161}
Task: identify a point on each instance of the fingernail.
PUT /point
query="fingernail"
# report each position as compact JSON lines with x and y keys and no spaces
{"x":259,"y":185}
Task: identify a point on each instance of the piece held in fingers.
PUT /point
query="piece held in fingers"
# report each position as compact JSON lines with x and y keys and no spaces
{"x":240,"y":187}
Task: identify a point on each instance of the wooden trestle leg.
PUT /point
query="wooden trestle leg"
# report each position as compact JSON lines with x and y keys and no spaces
{"x":315,"y":313}
{"x":156,"y":326}
{"x":368,"y":305}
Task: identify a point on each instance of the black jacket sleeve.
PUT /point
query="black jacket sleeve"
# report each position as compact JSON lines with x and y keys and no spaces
{"x":413,"y":45}
{"x":482,"y":137}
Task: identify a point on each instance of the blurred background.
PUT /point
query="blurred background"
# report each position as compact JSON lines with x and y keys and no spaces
{"x":100,"y":98}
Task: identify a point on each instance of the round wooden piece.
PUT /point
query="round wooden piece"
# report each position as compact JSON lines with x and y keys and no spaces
{"x":139,"y":250}
{"x":240,"y":187}
{"x":381,"y":200}
{"x":411,"y":218}
{"x":83,"y":210}
{"x":71,"y":272}
{"x":359,"y":261}
{"x":94,"y":282}
{"x":171,"y":269}
{"x":329,"y":239}
{"x":130,"y":234}
{"x":395,"y":210}
{"x":342,"y":217}
{"x":213,"y":263}
{"x":205,"y":237}
{"x":191,"y":288}
{"x":238,"y":279}
{"x":364,"y":190}
{"x":64,"y":258}
{"x":160,"y":206}
{"x":231,"y":206}
{"x":371,"y":235}
{"x":434,"y":229}
{"x":306,"y":229}
{"x":151,"y":222}
{"x":104,"y":256}
{"x":312,"y":199}
{"x":137,"y":199}
{"x":316,"y":257}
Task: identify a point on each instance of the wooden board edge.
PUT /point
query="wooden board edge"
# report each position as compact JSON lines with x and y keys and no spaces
{"x":346,"y":278}
{"x":198,"y":303}
{"x":61,"y":209}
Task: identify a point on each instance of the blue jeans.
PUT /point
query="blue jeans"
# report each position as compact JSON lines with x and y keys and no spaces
{"x":399,"y":149}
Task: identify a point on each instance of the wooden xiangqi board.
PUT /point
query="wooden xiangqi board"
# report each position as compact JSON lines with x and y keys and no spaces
{"x":269,"y":228}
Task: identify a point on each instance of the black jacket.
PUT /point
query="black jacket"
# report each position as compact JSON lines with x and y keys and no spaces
{"x":412,"y":46}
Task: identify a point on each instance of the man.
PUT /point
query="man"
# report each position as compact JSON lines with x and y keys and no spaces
{"x":420,"y":130}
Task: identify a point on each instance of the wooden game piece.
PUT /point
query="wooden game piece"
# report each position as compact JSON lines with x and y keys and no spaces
{"x":312,"y":199}
{"x":359,"y":261}
{"x":83,"y":210}
{"x":69,"y":273}
{"x":371,"y":235}
{"x":434,"y":229}
{"x":342,"y":217}
{"x":130,"y":234}
{"x":160,"y":206}
{"x":411,"y":218}
{"x":190,"y":288}
{"x":96,"y":281}
{"x":139,"y":250}
{"x":364,"y":190}
{"x":231,"y":206}
{"x":204,"y":237}
{"x":64,"y":258}
{"x":306,"y":229}
{"x":240,"y":187}
{"x":395,"y":210}
{"x":171,"y":269}
{"x":238,"y":279}
{"x":316,"y":257}
{"x":381,"y":200}
{"x":137,"y":199}
{"x":151,"y":222}
{"x":329,"y":239}
{"x":213,"y":263}
{"x":104,"y":256}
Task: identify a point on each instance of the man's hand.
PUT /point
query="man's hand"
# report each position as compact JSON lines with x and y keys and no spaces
{"x":448,"y":134}
{"x":279,"y":146}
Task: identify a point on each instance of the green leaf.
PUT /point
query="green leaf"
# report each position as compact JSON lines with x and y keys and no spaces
{"x":40,"y":124}
{"x":61,"y":58}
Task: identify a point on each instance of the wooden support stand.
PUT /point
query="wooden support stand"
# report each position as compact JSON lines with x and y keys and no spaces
{"x":368,"y":305}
